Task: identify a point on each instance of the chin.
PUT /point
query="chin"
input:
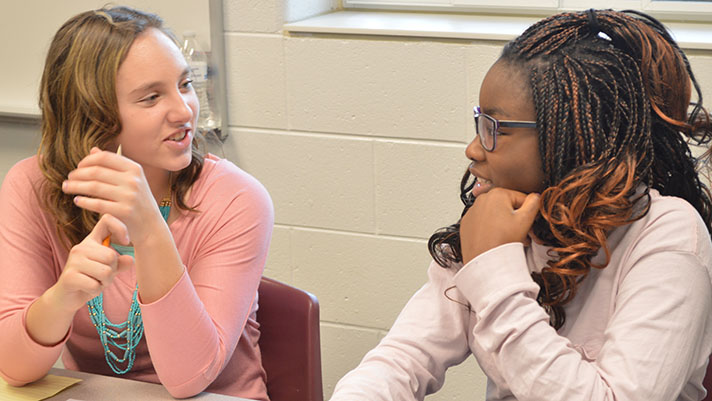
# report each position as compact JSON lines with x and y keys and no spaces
{"x":181,"y":164}
{"x":184,"y":166}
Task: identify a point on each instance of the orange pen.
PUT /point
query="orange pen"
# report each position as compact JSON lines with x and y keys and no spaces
{"x":107,"y":240}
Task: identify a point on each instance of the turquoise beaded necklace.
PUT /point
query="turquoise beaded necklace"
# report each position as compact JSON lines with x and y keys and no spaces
{"x":124,"y":336}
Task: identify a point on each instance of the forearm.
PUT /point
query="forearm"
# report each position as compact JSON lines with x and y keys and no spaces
{"x":391,"y":371}
{"x":23,"y":359}
{"x":46,"y":322}
{"x":158,"y":264}
{"x":28,"y":269}
{"x":188,"y":349}
{"x":195,"y":317}
{"x":514,"y":331}
{"x":642,"y":355}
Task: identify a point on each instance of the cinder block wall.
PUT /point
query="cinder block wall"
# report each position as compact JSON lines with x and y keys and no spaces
{"x":360,"y":141}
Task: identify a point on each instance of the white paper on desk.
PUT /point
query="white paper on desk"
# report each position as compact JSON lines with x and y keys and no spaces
{"x":41,"y":389}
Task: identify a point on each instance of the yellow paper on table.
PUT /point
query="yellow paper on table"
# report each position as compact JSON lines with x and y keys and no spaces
{"x":39,"y":390}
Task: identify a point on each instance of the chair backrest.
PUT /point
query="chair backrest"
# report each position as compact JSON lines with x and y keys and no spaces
{"x":289,"y":342}
{"x":707,"y":383}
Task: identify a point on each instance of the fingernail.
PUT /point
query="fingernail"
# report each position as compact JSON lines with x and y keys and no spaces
{"x":64,"y":184}
{"x":76,"y":198}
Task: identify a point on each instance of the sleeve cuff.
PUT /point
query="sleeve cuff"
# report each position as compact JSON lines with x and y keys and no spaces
{"x":495,"y":275}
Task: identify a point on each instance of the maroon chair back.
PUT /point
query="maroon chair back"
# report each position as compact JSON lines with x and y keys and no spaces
{"x":707,"y":383}
{"x":289,"y":342}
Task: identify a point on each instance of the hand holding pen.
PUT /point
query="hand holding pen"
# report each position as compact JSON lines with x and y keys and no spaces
{"x":91,"y":266}
{"x":108,"y":183}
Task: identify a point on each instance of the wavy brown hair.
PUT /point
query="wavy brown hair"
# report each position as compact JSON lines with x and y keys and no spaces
{"x":612,"y":92}
{"x":80,"y":110}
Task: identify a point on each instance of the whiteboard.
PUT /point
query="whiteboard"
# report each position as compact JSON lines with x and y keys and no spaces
{"x":29,"y":25}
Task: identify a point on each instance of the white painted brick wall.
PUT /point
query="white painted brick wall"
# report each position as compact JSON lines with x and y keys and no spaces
{"x":256,"y":80}
{"x":360,"y":279}
{"x":360,"y":142}
{"x":315,"y":180}
{"x":701,"y":63}
{"x":391,"y":88}
{"x":253,"y":15}
{"x":417,"y":186}
{"x":339,"y":345}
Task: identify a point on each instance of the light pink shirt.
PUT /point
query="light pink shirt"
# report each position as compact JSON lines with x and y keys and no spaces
{"x":640,"y":329}
{"x":202,"y":335}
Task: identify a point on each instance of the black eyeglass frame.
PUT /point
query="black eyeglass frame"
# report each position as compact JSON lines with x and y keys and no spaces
{"x":477,"y":113}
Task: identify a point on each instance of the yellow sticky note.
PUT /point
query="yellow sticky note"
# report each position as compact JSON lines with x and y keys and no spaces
{"x":39,"y":390}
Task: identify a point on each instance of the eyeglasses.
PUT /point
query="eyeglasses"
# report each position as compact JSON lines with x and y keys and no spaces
{"x":487,"y":128}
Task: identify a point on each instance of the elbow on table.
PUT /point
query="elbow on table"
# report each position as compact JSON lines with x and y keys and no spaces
{"x":186,"y":390}
{"x":15,"y":382}
{"x":185,"y":383}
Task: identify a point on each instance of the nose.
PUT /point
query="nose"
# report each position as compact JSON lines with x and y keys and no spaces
{"x":183,"y":107}
{"x":474,"y":150}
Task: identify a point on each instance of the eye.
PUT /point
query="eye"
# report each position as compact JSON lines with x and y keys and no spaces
{"x":187,"y":84}
{"x":150,"y":99}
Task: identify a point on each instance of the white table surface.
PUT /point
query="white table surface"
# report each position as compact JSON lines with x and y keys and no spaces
{"x":106,"y":388}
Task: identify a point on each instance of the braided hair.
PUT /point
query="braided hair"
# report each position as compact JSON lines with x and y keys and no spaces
{"x":612,"y":92}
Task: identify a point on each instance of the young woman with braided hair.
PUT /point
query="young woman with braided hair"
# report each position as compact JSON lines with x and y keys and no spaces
{"x":580,"y":269}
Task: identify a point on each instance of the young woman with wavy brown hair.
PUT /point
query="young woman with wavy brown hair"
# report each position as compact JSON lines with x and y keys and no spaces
{"x":580,"y":268}
{"x":95,"y":260}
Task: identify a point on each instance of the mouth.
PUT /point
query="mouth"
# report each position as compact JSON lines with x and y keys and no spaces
{"x":179,"y":135}
{"x":482,"y":185}
{"x":482,"y":182}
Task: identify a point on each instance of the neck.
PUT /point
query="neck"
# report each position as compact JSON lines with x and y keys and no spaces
{"x":160,"y":183}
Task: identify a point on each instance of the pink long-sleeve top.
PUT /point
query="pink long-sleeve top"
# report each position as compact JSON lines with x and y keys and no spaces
{"x":640,"y":329}
{"x":202,"y":335}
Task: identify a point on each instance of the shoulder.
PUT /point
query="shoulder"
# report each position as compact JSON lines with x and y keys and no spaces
{"x":222,"y":183}
{"x":20,"y":201}
{"x":671,"y":225}
{"x":24,"y":178}
{"x":222,"y":178}
{"x":28,"y":168}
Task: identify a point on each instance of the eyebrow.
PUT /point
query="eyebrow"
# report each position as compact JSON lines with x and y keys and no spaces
{"x":494,"y":110}
{"x":147,"y":87}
